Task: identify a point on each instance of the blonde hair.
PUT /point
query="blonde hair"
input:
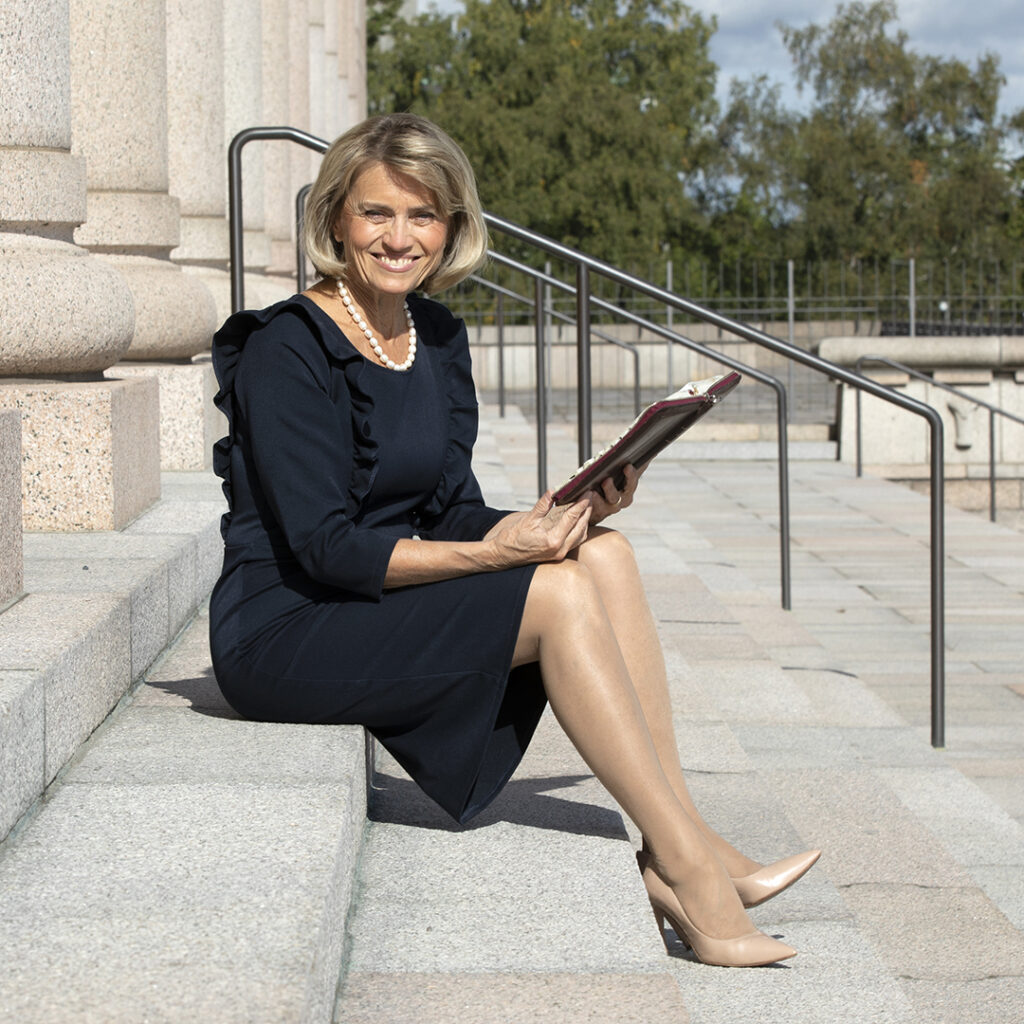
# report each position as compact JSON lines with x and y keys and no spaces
{"x":411,"y":145}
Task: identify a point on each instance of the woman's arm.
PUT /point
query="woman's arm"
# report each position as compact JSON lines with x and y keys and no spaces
{"x":544,"y":534}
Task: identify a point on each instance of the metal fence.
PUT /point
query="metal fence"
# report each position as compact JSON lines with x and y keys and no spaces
{"x":800,"y":302}
{"x":907,"y":296}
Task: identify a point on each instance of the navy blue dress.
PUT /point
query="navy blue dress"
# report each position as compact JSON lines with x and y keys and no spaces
{"x":330,"y":459}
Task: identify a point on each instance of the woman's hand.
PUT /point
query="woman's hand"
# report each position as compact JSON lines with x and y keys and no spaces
{"x":547,"y":533}
{"x":607,"y":499}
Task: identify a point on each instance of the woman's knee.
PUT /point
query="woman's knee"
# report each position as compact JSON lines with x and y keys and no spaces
{"x":563,"y":596}
{"x":560,"y":586}
{"x":606,"y":549}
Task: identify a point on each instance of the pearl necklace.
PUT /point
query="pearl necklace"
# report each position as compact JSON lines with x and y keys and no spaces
{"x":374,"y":343}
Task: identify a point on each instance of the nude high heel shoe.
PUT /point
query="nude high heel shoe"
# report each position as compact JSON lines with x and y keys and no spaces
{"x":766,"y":882}
{"x":755,"y":949}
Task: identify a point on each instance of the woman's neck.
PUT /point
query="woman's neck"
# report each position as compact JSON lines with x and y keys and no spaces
{"x":385,"y":313}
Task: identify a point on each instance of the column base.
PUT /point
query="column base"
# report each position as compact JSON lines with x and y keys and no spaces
{"x":11,"y":561}
{"x":90,"y":451}
{"x":189,"y":421}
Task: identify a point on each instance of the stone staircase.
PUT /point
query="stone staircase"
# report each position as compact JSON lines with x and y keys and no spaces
{"x":188,"y":865}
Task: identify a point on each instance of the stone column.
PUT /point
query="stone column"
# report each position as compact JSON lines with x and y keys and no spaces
{"x":119,"y":117}
{"x":197,"y":176}
{"x":317,"y":64}
{"x":196,"y":151}
{"x":279,"y":200}
{"x":333,"y":97}
{"x":243,"y":108}
{"x":89,"y":447}
{"x":352,"y":61}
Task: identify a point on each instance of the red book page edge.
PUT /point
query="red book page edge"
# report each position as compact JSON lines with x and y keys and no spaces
{"x":658,"y":426}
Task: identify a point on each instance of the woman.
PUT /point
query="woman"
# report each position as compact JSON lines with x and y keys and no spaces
{"x":364,"y":579}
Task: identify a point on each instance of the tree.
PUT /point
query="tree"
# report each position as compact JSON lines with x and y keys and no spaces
{"x":584,"y":120}
{"x":900,"y":153}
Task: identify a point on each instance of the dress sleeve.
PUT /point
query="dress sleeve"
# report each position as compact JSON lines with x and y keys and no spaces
{"x":298,"y":436}
{"x":456,"y":510}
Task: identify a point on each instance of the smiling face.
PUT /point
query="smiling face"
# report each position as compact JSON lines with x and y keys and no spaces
{"x":392,"y":231}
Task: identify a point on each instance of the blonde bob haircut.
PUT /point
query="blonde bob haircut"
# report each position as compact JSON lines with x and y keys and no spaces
{"x":414,"y":146}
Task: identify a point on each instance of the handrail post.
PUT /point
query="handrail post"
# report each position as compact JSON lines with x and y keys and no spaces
{"x":991,"y":465}
{"x":500,"y":317}
{"x":938,"y":582}
{"x":236,"y":256}
{"x":542,"y":417}
{"x":860,"y":453}
{"x":782,"y":418}
{"x":235,"y":228}
{"x":583,"y":388}
{"x":300,"y":250}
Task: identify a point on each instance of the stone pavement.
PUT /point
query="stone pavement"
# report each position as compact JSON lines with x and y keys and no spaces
{"x":798,"y":729}
{"x":188,"y":865}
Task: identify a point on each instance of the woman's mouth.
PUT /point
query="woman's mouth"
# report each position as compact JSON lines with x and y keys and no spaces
{"x":395,"y":263}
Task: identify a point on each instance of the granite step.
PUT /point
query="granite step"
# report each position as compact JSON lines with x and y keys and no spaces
{"x":797,"y":728}
{"x":98,"y":608}
{"x":187,"y":866}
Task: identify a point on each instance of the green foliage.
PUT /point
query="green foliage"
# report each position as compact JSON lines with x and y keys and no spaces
{"x":595,"y":122}
{"x":899,"y":154}
{"x":582,"y":119}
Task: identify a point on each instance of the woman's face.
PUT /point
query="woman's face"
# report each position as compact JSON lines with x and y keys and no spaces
{"x":392,"y":231}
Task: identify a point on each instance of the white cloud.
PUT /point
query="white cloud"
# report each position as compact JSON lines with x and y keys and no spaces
{"x":748,"y":42}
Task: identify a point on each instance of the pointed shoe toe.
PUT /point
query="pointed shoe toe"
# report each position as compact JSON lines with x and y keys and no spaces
{"x":763,"y":884}
{"x":755,"y":949}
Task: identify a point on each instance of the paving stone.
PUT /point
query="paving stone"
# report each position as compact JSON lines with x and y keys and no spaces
{"x":143,"y":581}
{"x":854,"y":816}
{"x":971,"y":827}
{"x":68,"y":638}
{"x":835,"y":977}
{"x":509,"y":998}
{"x":954,"y":934}
{"x":980,"y":1001}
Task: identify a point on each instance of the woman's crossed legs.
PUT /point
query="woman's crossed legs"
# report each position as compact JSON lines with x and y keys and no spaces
{"x":588,"y":624}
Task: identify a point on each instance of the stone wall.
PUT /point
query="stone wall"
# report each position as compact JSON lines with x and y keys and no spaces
{"x":114,"y":125}
{"x":895,"y":443}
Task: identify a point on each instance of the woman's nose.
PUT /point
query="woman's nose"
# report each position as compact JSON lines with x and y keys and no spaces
{"x":398,"y":233}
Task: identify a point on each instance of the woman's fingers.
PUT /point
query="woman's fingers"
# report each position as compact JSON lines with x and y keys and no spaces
{"x":547,"y":532}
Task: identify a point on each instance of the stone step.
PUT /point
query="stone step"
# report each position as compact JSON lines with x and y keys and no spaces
{"x":798,"y":728}
{"x":97,"y":609}
{"x":188,"y":865}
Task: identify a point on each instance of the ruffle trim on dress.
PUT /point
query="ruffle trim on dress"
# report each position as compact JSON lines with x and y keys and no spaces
{"x":455,"y":365}
{"x":228,"y":345}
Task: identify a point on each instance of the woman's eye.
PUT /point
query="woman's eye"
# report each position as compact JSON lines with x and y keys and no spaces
{"x":375,"y":216}
{"x":424,"y":218}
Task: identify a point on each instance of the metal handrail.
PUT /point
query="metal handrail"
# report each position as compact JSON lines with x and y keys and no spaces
{"x":993,"y":411}
{"x":781,"y":405}
{"x":566,"y":319}
{"x":300,"y":250}
{"x":585,"y":265}
{"x":235,"y":225}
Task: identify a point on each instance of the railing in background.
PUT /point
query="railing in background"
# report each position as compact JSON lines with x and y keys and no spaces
{"x":585,"y":266}
{"x":782,"y":415}
{"x":993,"y":411}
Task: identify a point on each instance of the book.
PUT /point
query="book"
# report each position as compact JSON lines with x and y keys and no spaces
{"x":652,"y":431}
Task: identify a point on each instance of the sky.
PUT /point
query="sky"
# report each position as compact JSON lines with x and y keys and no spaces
{"x":748,"y":42}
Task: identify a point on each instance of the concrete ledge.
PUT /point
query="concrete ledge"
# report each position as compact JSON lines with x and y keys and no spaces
{"x":98,"y":609}
{"x":994,"y":351}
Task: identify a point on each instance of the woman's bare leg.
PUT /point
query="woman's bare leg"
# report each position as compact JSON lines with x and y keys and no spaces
{"x":566,"y":628}
{"x":609,"y":557}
